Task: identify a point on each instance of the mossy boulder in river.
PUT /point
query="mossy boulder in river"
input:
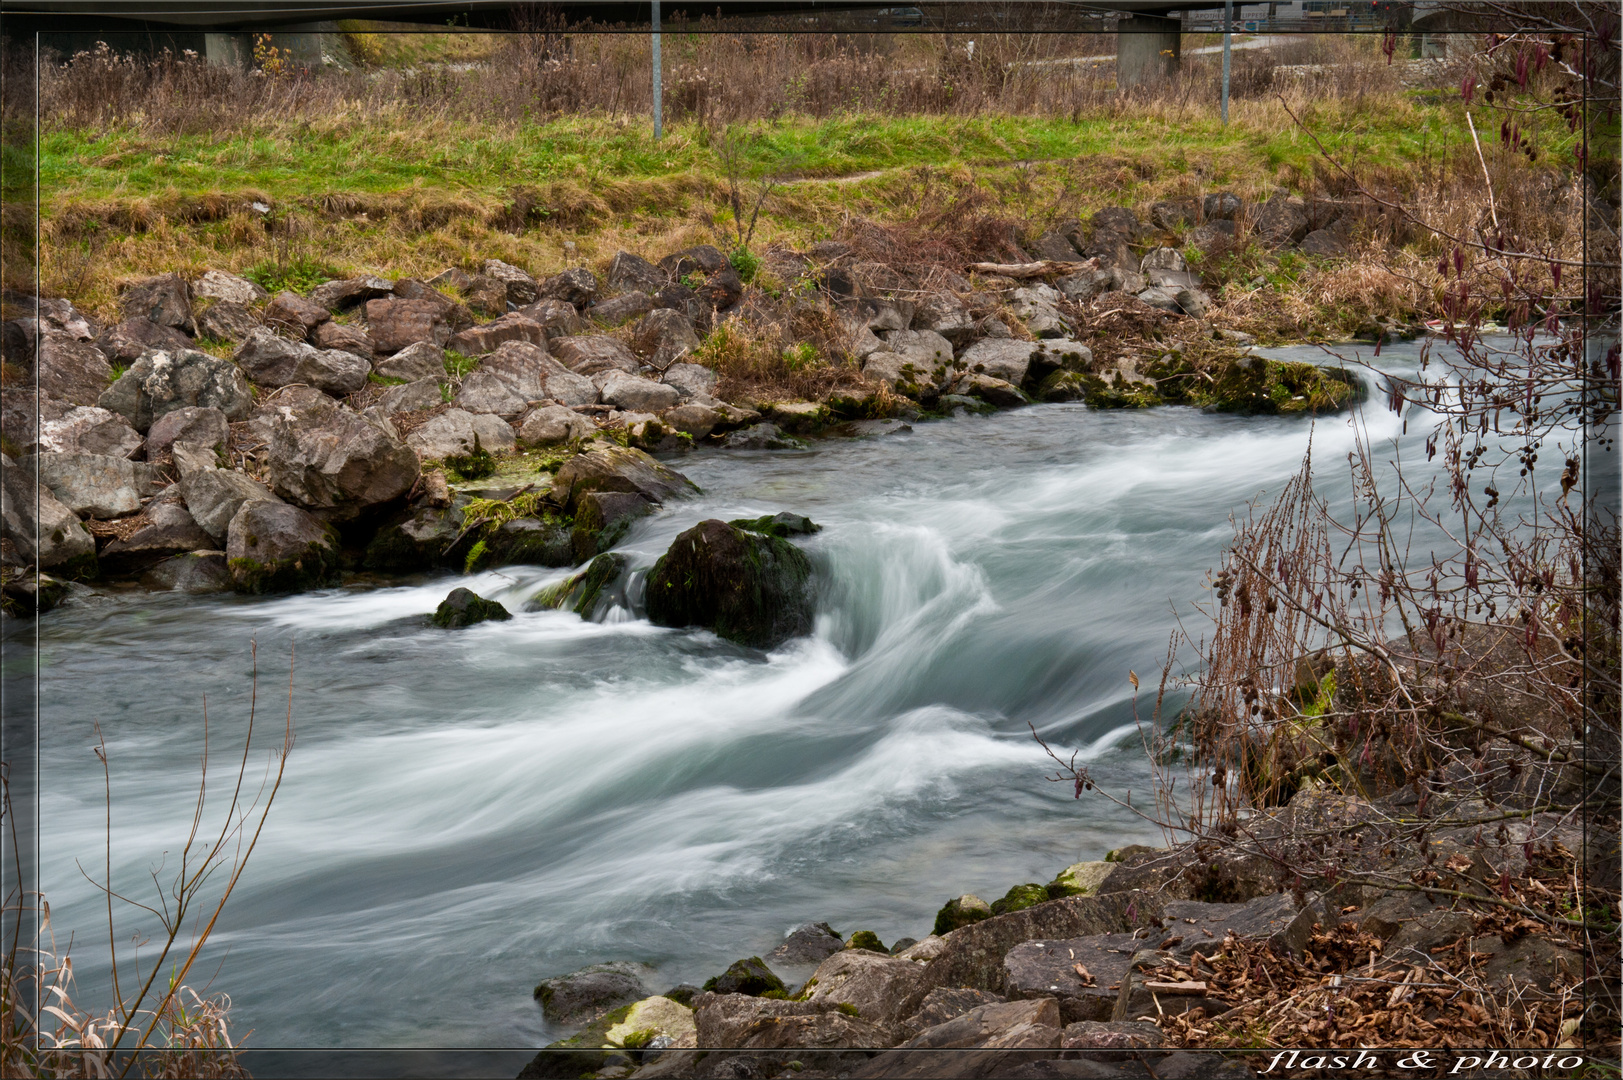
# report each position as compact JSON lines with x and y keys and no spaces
{"x":1020,"y":898}
{"x":464,"y":607}
{"x":618,"y":468}
{"x":580,"y":592}
{"x":867,"y":939}
{"x":272,"y":547}
{"x":784,"y":524}
{"x":1079,"y":879}
{"x":963,"y":911}
{"x":748,"y":588}
{"x":749,"y":976}
{"x":1256,"y":385}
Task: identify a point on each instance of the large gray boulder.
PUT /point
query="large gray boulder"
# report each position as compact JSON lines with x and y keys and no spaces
{"x":168,"y":530}
{"x":192,"y":425}
{"x":523,"y":366}
{"x":486,"y":338}
{"x":88,"y":430}
{"x":556,"y":317}
{"x":453,"y":432}
{"x":159,"y":383}
{"x":575,"y":286}
{"x":229,"y":288}
{"x":396,"y":322}
{"x":213,"y":497}
{"x":1281,"y":221}
{"x":125,"y":342}
{"x":344,"y":337}
{"x":927,"y":349}
{"x":693,"y":380}
{"x":72,"y":370}
{"x":88,"y":484}
{"x":664,"y":335}
{"x":194,"y":572}
{"x":272,"y":547}
{"x":521,"y":287}
{"x":620,"y":309}
{"x":343,"y":295}
{"x":635,"y":393}
{"x":550,"y":425}
{"x":483,"y":392}
{"x":422,"y":394}
{"x":619,"y":469}
{"x":274,"y":361}
{"x":165,"y":300}
{"x":295,"y":316}
{"x":999,"y":358}
{"x":944,"y":314}
{"x":1036,"y":305}
{"x":633,"y":272}
{"x":594,"y":353}
{"x":226,"y":321}
{"x":883,"y":989}
{"x":327,"y":458}
{"x":39,"y":525}
{"x":418,"y":361}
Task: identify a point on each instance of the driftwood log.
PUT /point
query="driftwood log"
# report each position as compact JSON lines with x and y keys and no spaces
{"x":1046,"y":268}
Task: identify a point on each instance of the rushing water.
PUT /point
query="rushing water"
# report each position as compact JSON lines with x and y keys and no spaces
{"x":467,"y":812}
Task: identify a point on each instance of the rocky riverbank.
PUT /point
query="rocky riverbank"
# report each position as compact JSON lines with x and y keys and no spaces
{"x":219,"y":437}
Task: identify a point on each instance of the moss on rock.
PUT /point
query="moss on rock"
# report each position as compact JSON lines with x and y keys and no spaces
{"x":1020,"y":898}
{"x":867,"y":939}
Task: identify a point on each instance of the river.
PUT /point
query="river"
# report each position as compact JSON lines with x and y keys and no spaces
{"x":467,"y":812}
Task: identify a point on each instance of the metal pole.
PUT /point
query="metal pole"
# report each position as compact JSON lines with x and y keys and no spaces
{"x":659,"y":85}
{"x":1228,"y":27}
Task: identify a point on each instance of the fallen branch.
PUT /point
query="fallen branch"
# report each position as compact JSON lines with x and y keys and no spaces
{"x":1046,"y":268}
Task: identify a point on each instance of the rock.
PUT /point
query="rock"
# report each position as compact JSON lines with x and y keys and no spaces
{"x":293,"y":315}
{"x":557,"y":318}
{"x":479,"y":340}
{"x":421,"y":536}
{"x":782,"y":524}
{"x":1322,"y":242}
{"x":485,"y":393}
{"x":228,"y":288}
{"x":628,"y":271}
{"x":1057,"y":354}
{"x":452,"y":433}
{"x":22,"y":412}
{"x":963,"y":911}
{"x":866,"y":941}
{"x":602,"y":519}
{"x":1035,"y":306}
{"x":274,"y":548}
{"x":944,"y":314}
{"x":635,"y":393}
{"x":621,"y":309}
{"x":691,"y":380}
{"x":1193,"y":302}
{"x":575,"y":286}
{"x":762,"y":437}
{"x":989,"y":1040}
{"x":169,"y":530}
{"x":1174,"y":215}
{"x":275,"y":361}
{"x":749,"y":976}
{"x":1115,"y":219}
{"x":226,"y":321}
{"x":1136,"y":1000}
{"x":1281,"y":221}
{"x":1053,"y":246}
{"x":862,"y":429}
{"x":1084,"y":286}
{"x":71,"y":370}
{"x":326,"y":458}
{"x":593,"y":354}
{"x":26,"y":594}
{"x":883,"y":989}
{"x":395,"y":323}
{"x":926,"y":349}
{"x":738,"y":1021}
{"x":550,"y":425}
{"x":42,"y":529}
{"x":342,"y":295}
{"x":696,"y":421}
{"x":998,"y":392}
{"x":1161,"y":298}
{"x":1039,"y":969}
{"x":193,"y":425}
{"x":159,"y":383}
{"x":655,"y":1018}
{"x":944,"y":1003}
{"x":973,"y":955}
{"x":453,"y":277}
{"x":188,"y":458}
{"x":999,"y":359}
{"x":88,"y":484}
{"x":420,"y":361}
{"x":484,"y":294}
{"x":703,"y":259}
{"x":521,"y":287}
{"x":750,"y":589}
{"x":583,"y":994}
{"x":1062,"y":386}
{"x":1211,"y":235}
{"x":464,"y":608}
{"x":1223,"y":206}
{"x":85,"y":430}
{"x":618,"y":469}
{"x":1122,"y":1036}
{"x":528,"y":540}
{"x":425,"y":393}
{"x":1532,"y":961}
{"x":581,"y":592}
{"x":194,"y":572}
{"x":663,"y":335}
{"x":808,"y":943}
{"x":1019,"y":898}
{"x":165,"y":300}
{"x":1163,"y":258}
{"x":1083,"y":878}
{"x":344,"y":338}
{"x":213,"y":497}
{"x":524,"y":366}
{"x":124,"y":343}
{"x":859,"y":340}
